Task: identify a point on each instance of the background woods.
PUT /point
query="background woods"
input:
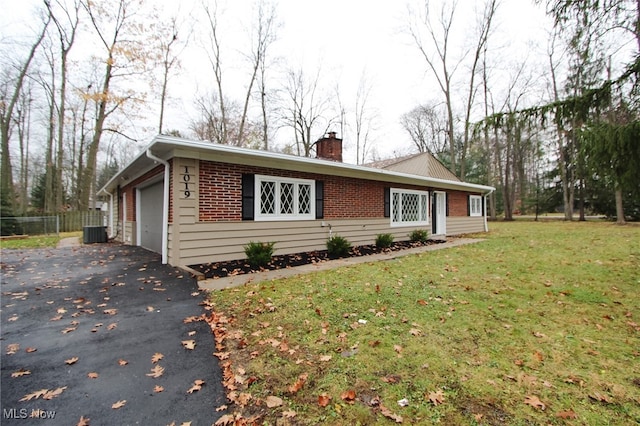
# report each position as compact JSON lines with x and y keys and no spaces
{"x":553,"y":125}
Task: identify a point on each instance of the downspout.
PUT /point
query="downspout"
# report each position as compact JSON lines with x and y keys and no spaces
{"x":165,"y":206}
{"x":113,"y":234}
{"x":486,"y":204}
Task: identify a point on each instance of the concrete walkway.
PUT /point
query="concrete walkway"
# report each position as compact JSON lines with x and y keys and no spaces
{"x":69,"y":242}
{"x":238,"y":280}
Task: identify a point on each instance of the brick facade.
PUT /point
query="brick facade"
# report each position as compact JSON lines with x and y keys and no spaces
{"x":220,"y":193}
{"x":458,"y":203}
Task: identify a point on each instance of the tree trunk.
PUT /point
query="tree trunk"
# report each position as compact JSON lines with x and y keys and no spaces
{"x":619,"y":207}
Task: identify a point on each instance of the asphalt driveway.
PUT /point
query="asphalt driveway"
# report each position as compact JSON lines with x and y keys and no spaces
{"x":96,"y":332}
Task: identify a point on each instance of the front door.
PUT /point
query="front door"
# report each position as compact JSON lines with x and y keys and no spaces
{"x":439,"y":214}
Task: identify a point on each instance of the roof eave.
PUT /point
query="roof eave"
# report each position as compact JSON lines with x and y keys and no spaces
{"x":167,"y":147}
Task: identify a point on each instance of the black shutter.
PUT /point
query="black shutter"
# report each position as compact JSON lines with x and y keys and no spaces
{"x":387,"y":202}
{"x":319,"y":199}
{"x":446,"y":197}
{"x":468,"y":205}
{"x":248,"y":196}
{"x":482,"y":213}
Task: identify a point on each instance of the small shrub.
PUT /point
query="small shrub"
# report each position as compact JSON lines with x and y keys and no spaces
{"x":419,"y":235}
{"x":338,"y":246}
{"x":259,"y":254}
{"x":384,"y":240}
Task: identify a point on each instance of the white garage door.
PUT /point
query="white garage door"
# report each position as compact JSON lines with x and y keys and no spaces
{"x":150,"y":205}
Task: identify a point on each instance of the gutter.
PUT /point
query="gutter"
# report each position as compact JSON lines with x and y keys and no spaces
{"x":165,"y":206}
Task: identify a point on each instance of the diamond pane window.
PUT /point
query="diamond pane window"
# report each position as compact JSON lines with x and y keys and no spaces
{"x":396,"y":207}
{"x":409,"y":207}
{"x":285,"y":198}
{"x":304,"y":199}
{"x":267,"y":197}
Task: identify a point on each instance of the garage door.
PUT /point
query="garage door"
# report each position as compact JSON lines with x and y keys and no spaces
{"x":150,"y":205}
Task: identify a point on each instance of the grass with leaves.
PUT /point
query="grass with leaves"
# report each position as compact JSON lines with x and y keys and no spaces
{"x":37,"y":241}
{"x":538,"y":324}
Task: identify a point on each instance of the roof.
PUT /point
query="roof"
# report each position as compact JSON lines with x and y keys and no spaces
{"x":422,"y":164}
{"x":167,"y":147}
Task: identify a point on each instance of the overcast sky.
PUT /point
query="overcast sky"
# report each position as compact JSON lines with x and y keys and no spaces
{"x":345,"y":38}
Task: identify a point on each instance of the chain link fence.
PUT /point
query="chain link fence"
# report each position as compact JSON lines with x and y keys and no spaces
{"x":51,"y":225}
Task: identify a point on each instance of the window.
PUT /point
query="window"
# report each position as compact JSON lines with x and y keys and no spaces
{"x":284,"y":198}
{"x":409,"y":207}
{"x":475,"y":205}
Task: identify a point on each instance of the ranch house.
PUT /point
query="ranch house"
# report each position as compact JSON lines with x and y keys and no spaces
{"x":200,"y":202}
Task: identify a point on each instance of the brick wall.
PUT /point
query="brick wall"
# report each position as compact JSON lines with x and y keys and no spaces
{"x":220,"y":193}
{"x":458,"y":203}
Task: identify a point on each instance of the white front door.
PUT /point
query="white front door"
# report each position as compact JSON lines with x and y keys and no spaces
{"x":439,"y":213}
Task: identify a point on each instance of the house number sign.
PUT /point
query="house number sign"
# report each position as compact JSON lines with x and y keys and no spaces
{"x":186,"y":183}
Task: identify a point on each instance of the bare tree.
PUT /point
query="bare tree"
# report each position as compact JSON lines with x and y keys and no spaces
{"x":426,"y":128}
{"x":264,"y":29}
{"x":120,"y":36}
{"x":214,"y":53}
{"x":364,"y":119}
{"x":306,"y":110}
{"x":7,"y":108}
{"x":66,"y":21}
{"x":432,"y":36}
{"x":169,"y":59}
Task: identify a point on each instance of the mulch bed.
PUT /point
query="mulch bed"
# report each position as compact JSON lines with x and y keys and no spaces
{"x":237,"y":267}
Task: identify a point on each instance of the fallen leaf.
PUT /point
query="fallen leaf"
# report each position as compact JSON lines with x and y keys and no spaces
{"x":348,"y":396}
{"x":54,"y":393}
{"x":13,"y":318}
{"x":289,"y":414}
{"x":72,"y":361}
{"x":93,"y":375}
{"x":397,"y":348}
{"x":568,"y":414}
{"x":535,"y":402}
{"x":597,"y":396}
{"x":436,"y":398}
{"x":323,"y":400}
{"x":299,"y":383}
{"x":119,"y":404}
{"x":83,"y":421}
{"x":112,"y":326}
{"x":197,"y":385}
{"x":20,"y":373}
{"x":325,"y":358}
{"x":156,"y":371}
{"x":111,"y":311}
{"x":273,"y":401}
{"x":191,"y":333}
{"x":150,"y":308}
{"x":158,"y":389}
{"x":61,"y":310}
{"x":12,"y":348}
{"x":156,"y":357}
{"x":68,"y":330}
{"x":34,"y":395}
{"x":189,"y":344}
{"x":389,"y":414}
{"x":122,"y":362}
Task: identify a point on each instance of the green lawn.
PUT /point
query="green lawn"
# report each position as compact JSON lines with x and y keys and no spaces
{"x":38,"y":241}
{"x":536,"y":325}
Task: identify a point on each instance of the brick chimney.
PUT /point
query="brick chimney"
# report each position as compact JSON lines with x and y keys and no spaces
{"x":329,"y":148}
